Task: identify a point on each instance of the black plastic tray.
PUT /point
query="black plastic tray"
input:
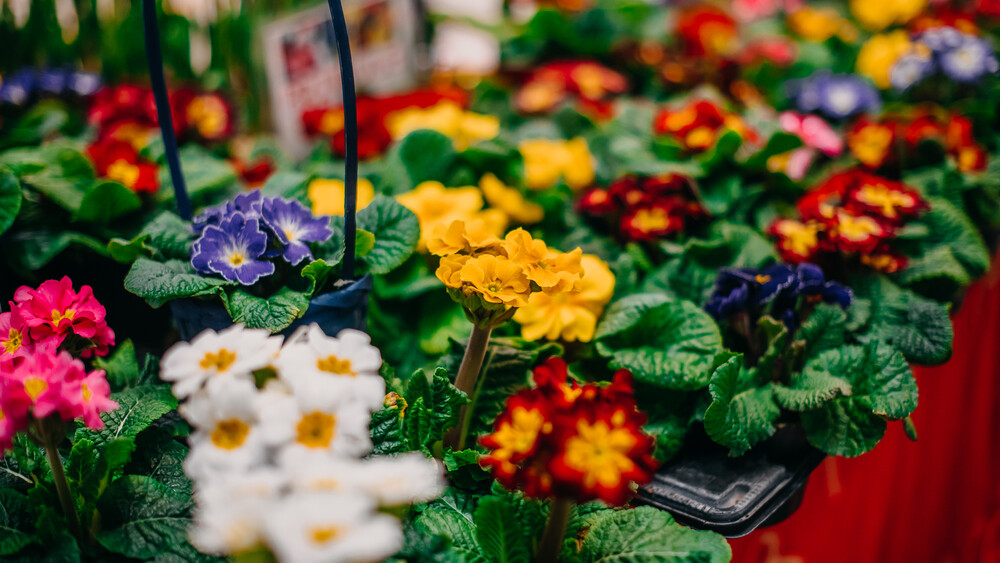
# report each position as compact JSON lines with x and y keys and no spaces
{"x":704,"y":488}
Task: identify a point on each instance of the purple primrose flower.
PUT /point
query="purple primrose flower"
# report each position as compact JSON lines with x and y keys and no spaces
{"x":232,"y":249}
{"x":968,"y":61}
{"x":836,"y":95}
{"x":294,"y":225}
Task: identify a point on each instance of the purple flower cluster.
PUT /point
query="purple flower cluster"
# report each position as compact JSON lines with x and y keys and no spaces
{"x":21,"y":87}
{"x":835,"y":95}
{"x":240,"y":238}
{"x":775,"y":290}
{"x":961,"y":57}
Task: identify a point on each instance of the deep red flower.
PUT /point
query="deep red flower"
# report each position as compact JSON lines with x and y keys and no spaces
{"x":858,"y":233}
{"x":206,"y":115}
{"x":122,"y":102}
{"x":924,"y":126}
{"x":884,"y":259}
{"x":254,"y":173}
{"x":567,"y":440}
{"x":886,"y":199}
{"x":705,"y":30}
{"x":597,"y":202}
{"x":797,"y":241}
{"x":119,"y":161}
{"x":699,"y":124}
{"x":971,"y":158}
{"x":651,"y":222}
{"x":871,"y":142}
{"x":822,"y":202}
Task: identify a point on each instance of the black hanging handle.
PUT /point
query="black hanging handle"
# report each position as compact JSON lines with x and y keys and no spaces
{"x":350,"y":134}
{"x":154,"y":59}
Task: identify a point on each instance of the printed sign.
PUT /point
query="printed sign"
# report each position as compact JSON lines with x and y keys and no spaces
{"x":303,"y":70}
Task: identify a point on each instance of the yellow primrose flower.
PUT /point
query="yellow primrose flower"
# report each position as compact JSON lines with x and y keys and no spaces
{"x":820,"y":24}
{"x":470,"y":235}
{"x":545,"y":161}
{"x":551,"y":270}
{"x":880,"y":14}
{"x":879,"y":53}
{"x":496,"y":279}
{"x":450,"y":268}
{"x":569,"y":316}
{"x":510,"y":201}
{"x":463,"y":127}
{"x":437,"y":206}
{"x":327,"y":196}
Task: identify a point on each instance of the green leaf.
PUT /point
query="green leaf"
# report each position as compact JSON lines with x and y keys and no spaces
{"x":464,"y":470}
{"x":499,"y":532}
{"x":881,"y":387}
{"x":810,"y":389}
{"x":742,"y":413}
{"x":10,"y":199}
{"x":662,"y":341}
{"x":286,"y":183}
{"x":105,"y":201}
{"x":953,"y":250}
{"x":648,"y":535}
{"x":161,"y":457}
{"x":275,"y":313}
{"x":34,"y":249}
{"x":138,"y":407}
{"x":160,"y":282}
{"x":668,"y":416}
{"x":122,"y":368}
{"x":824,"y":329}
{"x":433,"y":408}
{"x":166,"y":236}
{"x":424,"y":155}
{"x":317,"y":272}
{"x":15,"y":523}
{"x":387,"y":430}
{"x":65,"y":177}
{"x":917,"y":327}
{"x":204,"y":174}
{"x":143,"y":518}
{"x":396,"y":233}
{"x":453,"y":525}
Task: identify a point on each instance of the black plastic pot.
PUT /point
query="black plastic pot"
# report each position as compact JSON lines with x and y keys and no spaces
{"x":704,"y":488}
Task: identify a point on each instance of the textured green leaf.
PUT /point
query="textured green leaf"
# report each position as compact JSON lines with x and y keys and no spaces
{"x":810,"y":389}
{"x":463,"y":468}
{"x":161,"y":457}
{"x":387,"y":431}
{"x":123,"y":370}
{"x":881,"y":387}
{"x":10,"y":199}
{"x":274,"y":313}
{"x":424,"y":155}
{"x":952,"y":249}
{"x":138,"y":407}
{"x":15,"y":523}
{"x":396,"y":233}
{"x":456,"y":527}
{"x":665,"y":342}
{"x":65,"y":177}
{"x":204,"y":174}
{"x":499,"y":532}
{"x":824,"y":329}
{"x":742,"y":413}
{"x":648,"y":535}
{"x":434,"y":406}
{"x":168,"y":236}
{"x":919,"y":328}
{"x":34,"y":249}
{"x":143,"y":518}
{"x":160,"y":282}
{"x":105,"y":201}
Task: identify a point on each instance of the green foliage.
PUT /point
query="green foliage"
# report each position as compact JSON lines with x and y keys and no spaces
{"x":15,"y":527}
{"x":665,"y":342}
{"x":205,"y":176}
{"x":106,"y":201}
{"x":160,"y":282}
{"x":917,"y":327}
{"x":743,"y":410}
{"x":395,"y":233}
{"x":433,"y":407}
{"x":144,"y":518}
{"x":499,"y":532}
{"x":165,"y":237}
{"x":10,"y":199}
{"x":645,"y":535}
{"x":274,"y":313}
{"x":138,"y":408}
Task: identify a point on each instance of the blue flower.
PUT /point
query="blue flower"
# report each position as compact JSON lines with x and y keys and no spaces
{"x":910,"y":69}
{"x":294,"y":225}
{"x":232,"y":249}
{"x":969,"y":60}
{"x":248,"y":203}
{"x":812,"y":283}
{"x":20,"y":87}
{"x":836,"y":95}
{"x":777,"y":287}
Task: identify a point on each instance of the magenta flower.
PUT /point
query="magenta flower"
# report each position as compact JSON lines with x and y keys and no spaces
{"x":39,"y":380}
{"x":13,"y":408}
{"x":814,"y":132}
{"x":15,"y":337}
{"x":87,"y":398}
{"x":55,"y":310}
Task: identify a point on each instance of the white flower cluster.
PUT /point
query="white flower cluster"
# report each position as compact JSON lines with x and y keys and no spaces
{"x":279,"y":435}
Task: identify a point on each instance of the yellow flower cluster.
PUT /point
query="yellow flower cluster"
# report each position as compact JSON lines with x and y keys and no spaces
{"x":489,"y":275}
{"x":465,"y":128}
{"x":880,"y":14}
{"x":510,"y":201}
{"x":327,"y":196}
{"x":437,"y":206}
{"x":545,"y":161}
{"x":820,"y":24}
{"x":572,"y":315}
{"x":879,"y":53}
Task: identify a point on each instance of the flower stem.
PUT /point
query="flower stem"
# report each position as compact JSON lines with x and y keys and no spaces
{"x":555,"y":530}
{"x":465,"y":381}
{"x":50,"y":435}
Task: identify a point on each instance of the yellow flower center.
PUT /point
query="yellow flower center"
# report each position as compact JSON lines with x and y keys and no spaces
{"x":649,"y":220}
{"x":315,"y":430}
{"x":35,"y":386}
{"x":599,"y":451}
{"x":219,"y":361}
{"x":208,"y":113}
{"x":68,"y":314}
{"x":123,"y":171}
{"x":539,"y":96}
{"x":86,"y":392}
{"x":870,"y":144}
{"x":590,"y":80}
{"x":230,"y":434}
{"x":332,"y":122}
{"x":518,"y":435}
{"x":968,"y":158}
{"x":799,"y":237}
{"x":858,"y":228}
{"x":14,"y":340}
{"x":325,"y":534}
{"x":700,"y":138}
{"x":678,"y":120}
{"x":237,"y":258}
{"x":761,"y":278}
{"x":326,"y":484}
{"x":333,"y":364}
{"x":880,"y":195}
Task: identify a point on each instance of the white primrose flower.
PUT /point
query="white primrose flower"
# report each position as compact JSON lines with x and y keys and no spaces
{"x":234,"y":351}
{"x":325,"y":474}
{"x":315,"y":419}
{"x":231,"y":506}
{"x":403,"y":479}
{"x":330,"y":528}
{"x":226,"y":436}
